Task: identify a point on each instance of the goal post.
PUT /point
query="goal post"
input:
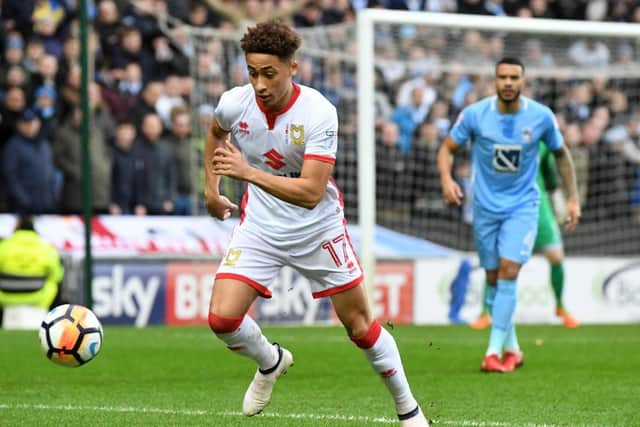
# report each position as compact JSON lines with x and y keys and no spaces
{"x":369,"y":21}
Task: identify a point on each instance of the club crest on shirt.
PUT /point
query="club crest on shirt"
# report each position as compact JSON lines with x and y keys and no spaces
{"x":296,"y":134}
{"x":232,"y":257}
{"x":527,"y":135}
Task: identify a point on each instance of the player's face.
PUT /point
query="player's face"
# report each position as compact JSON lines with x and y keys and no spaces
{"x":509,"y":82}
{"x":270,"y":77}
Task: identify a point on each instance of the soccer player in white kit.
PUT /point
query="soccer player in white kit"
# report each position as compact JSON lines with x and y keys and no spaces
{"x":281,"y":138}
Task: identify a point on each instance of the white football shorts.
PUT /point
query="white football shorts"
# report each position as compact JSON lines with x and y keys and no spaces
{"x":327,"y":258}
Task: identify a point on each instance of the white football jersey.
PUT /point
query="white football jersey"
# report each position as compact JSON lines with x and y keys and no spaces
{"x":278,"y":143}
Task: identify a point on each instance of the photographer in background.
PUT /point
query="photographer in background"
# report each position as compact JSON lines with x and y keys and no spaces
{"x":30,"y":274}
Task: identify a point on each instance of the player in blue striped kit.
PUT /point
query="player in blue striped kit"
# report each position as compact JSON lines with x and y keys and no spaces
{"x":504,"y":131}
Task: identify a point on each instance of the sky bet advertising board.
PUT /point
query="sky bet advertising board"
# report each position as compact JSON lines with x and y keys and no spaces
{"x":178,"y":293}
{"x":129,"y":293}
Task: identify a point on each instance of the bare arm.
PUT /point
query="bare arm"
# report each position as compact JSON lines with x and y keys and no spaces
{"x":567,"y":172}
{"x":305,"y":191}
{"x":450,"y":189}
{"x":217,"y":205}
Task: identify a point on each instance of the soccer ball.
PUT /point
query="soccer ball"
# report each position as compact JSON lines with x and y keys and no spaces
{"x":71,"y":335}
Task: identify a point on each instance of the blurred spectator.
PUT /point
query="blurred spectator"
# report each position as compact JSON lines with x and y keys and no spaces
{"x":534,"y":56}
{"x":16,"y":15}
{"x":252,"y":11}
{"x":171,"y":97}
{"x":146,"y":104}
{"x":131,"y":83}
{"x":122,"y":96}
{"x":30,"y":274}
{"x":13,"y":103}
{"x":32,"y":183}
{"x":470,"y":52}
{"x":408,"y":117}
{"x":48,"y":19}
{"x":16,"y":76}
{"x":475,"y":7}
{"x":541,"y":9}
{"x":440,"y":5}
{"x":214,"y":89}
{"x":45,"y":107}
{"x":199,"y":16}
{"x":439,"y":115}
{"x":180,"y":140}
{"x":425,"y":82}
{"x":125,"y":187}
{"x":33,"y":52}
{"x":618,"y":10}
{"x":579,"y":103}
{"x":204,"y":118}
{"x":427,"y":197}
{"x":580,"y":156}
{"x":14,"y":49}
{"x":69,"y":90}
{"x":70,"y":54}
{"x":333,"y":85}
{"x":67,"y":154}
{"x":589,"y":53}
{"x":169,"y":60}
{"x":183,"y":41}
{"x":157,"y":171}
{"x":393,"y":186}
{"x":309,"y":16}
{"x":421,"y":61}
{"x":47,"y":71}
{"x":139,"y":14}
{"x":131,"y":49}
{"x":618,"y":107}
{"x":107,"y":26}
{"x":495,"y":7}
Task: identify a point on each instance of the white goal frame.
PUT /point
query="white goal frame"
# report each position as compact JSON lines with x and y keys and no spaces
{"x":366,"y":19}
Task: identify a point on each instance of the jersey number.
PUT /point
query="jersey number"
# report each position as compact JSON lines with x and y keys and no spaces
{"x":506,"y":158}
{"x":330,"y":246}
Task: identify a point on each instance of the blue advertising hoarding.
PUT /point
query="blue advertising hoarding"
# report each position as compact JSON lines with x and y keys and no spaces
{"x":129,"y":293}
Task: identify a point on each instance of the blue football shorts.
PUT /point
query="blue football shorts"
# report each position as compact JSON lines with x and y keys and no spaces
{"x":508,"y":235}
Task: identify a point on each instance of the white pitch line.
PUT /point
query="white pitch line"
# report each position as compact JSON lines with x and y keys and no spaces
{"x":299,"y":416}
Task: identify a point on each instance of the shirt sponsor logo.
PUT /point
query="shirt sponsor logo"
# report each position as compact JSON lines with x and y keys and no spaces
{"x":274,"y":159}
{"x":506,"y":158}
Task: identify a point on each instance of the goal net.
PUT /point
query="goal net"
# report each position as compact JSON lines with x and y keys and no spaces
{"x":426,"y":67}
{"x":399,"y":79}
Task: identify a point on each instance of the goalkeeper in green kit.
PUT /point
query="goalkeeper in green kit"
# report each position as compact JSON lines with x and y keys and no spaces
{"x":548,"y":241}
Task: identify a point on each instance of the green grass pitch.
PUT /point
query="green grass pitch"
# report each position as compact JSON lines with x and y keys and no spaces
{"x":184,"y":376}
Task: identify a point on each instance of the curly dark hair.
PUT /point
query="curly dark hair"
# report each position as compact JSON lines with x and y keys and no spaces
{"x":273,"y":38}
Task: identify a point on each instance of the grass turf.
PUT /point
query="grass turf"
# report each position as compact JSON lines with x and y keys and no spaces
{"x":184,"y":376}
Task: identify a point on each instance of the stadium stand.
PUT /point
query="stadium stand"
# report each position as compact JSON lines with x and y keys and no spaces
{"x":144,"y":72}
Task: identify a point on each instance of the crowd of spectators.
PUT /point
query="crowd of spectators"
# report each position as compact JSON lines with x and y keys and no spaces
{"x":145,"y":136}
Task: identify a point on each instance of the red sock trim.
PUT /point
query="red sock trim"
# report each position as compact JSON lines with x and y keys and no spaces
{"x":369,"y":339}
{"x":223,"y":325}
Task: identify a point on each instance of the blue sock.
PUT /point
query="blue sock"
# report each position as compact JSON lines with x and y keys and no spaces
{"x":511,"y":341}
{"x":504,"y":305}
{"x":490,"y":296}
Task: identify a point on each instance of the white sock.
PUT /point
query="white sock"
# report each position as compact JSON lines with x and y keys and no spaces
{"x":384,"y":357}
{"x":249,"y":341}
